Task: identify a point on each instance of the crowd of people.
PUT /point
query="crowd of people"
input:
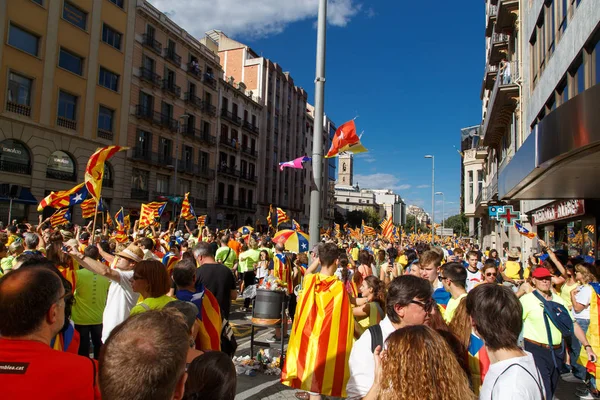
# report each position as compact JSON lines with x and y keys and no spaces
{"x":148,"y":317}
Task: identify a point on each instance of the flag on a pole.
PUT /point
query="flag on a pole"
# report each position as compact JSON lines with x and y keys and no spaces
{"x":109,"y":221}
{"x":146,"y":216}
{"x":187,"y":211}
{"x":88,"y":208}
{"x":296,"y":225}
{"x":94,"y":171}
{"x":344,"y":136}
{"x":127,"y":222}
{"x":367,"y":230}
{"x":60,"y":217}
{"x":201,"y":221}
{"x":158,"y":208}
{"x":523,"y":231}
{"x":120,"y":219}
{"x":65,"y":198}
{"x":387,"y":230}
{"x":296,"y":163}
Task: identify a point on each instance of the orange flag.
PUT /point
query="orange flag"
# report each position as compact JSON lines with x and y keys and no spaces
{"x":321,"y":338}
{"x":95,"y":168}
{"x":344,"y":136}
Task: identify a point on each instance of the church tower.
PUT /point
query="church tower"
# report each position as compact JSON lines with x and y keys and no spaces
{"x":345,"y":169}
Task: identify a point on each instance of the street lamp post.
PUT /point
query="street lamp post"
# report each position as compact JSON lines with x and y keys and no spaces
{"x":432,"y":197}
{"x":443,"y":210}
{"x":182,"y":120}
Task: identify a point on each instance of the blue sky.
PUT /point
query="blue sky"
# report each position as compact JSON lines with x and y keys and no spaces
{"x":411,"y":71}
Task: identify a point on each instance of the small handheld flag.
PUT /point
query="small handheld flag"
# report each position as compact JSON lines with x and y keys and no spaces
{"x":523,"y":231}
{"x":60,"y":217}
{"x":187,"y":211}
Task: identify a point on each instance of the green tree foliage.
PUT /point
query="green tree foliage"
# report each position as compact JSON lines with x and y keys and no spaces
{"x":458,"y":223}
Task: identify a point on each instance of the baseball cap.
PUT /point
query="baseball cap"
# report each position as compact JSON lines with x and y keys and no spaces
{"x":541,"y":272}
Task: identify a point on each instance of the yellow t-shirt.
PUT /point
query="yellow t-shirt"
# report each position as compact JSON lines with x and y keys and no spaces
{"x":565,"y":294}
{"x":512,"y":269}
{"x":152,"y":303}
{"x":534,"y":327}
{"x":354,"y":253}
{"x":452,"y":306}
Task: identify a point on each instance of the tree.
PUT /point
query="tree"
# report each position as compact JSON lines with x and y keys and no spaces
{"x":339,"y":218}
{"x":355,"y":218}
{"x":458,"y":223}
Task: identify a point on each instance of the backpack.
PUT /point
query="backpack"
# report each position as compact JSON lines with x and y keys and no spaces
{"x":228,"y":342}
{"x":560,"y":318}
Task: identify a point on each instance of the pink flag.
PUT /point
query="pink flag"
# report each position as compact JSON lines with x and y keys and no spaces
{"x":297,"y":163}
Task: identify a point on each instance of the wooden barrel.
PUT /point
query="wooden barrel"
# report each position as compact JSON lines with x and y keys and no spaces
{"x":267,"y":307}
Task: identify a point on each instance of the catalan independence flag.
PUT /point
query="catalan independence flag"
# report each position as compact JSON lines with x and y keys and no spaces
{"x":127,"y":222}
{"x":60,"y":217}
{"x":479,"y":362}
{"x":64,"y":198}
{"x":296,"y":225}
{"x":187,"y":211}
{"x":387,"y":228}
{"x":367,"y":230}
{"x":88,"y":208}
{"x":67,"y":340}
{"x":210,"y":321}
{"x":321,"y":338}
{"x":94,"y":171}
{"x":593,"y":332}
{"x":282,"y":270}
{"x":201,"y":221}
{"x":523,"y":231}
{"x":146,"y":216}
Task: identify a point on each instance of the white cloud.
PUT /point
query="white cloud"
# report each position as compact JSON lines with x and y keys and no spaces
{"x":380,"y":181}
{"x":422,"y":186}
{"x":367,"y":157}
{"x":254,"y":18}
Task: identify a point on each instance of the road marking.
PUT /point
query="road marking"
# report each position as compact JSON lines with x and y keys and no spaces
{"x":255,"y":390}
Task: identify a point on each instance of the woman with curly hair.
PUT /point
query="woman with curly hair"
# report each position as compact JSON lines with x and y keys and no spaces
{"x":370,"y":311}
{"x":418,"y":364}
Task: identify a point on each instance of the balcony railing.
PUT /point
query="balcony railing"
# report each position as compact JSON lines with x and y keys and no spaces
{"x":104,"y":134}
{"x":230,"y":143}
{"x":249,"y":151}
{"x":66,"y":123}
{"x":189,"y":130}
{"x":168,"y":123}
{"x":15,"y":167}
{"x":170,"y":55}
{"x":139,"y":194}
{"x":194,"y":70}
{"x":170,"y":87}
{"x":503,"y":95}
{"x":231,"y":171}
{"x":150,"y":42}
{"x":205,"y":172}
{"x":207,"y":138}
{"x":165,"y":159}
{"x":248,"y":177}
{"x":210,"y":80}
{"x":150,"y":76}
{"x":499,"y":38}
{"x":17,"y":108}
{"x":60,"y":175}
{"x":250,"y":127}
{"x":148,"y":114}
{"x":231,"y":116}
{"x":209,"y":108}
{"x":192,"y":99}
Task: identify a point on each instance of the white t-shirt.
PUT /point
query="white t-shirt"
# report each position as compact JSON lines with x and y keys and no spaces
{"x":121,"y":299}
{"x":473,"y":278}
{"x":583,"y":297}
{"x":510,"y":381}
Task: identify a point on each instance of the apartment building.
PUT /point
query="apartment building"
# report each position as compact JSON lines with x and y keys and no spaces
{"x":555,"y":168}
{"x":173,"y":117}
{"x":283,"y":123}
{"x":65,"y":86}
{"x":472,"y":170}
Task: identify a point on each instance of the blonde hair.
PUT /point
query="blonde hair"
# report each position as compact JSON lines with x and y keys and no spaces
{"x":421,"y":365}
{"x":586,"y":270}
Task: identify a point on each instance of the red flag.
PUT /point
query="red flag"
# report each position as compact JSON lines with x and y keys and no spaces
{"x":344,"y":136}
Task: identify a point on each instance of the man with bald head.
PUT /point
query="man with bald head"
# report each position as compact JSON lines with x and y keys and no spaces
{"x":32,"y":302}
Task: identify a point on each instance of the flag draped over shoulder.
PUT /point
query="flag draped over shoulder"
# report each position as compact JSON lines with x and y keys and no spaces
{"x":60,"y":217}
{"x":593,"y":332}
{"x":282,"y":270}
{"x":209,"y":320}
{"x":321,"y":338}
{"x":187,"y":211}
{"x":65,"y":198}
{"x":479,"y":362}
{"x":94,"y":171}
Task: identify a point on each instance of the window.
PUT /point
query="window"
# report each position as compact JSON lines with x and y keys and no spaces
{"x":470,"y":187}
{"x":579,"y":78}
{"x":40,"y":2}
{"x":562,"y":15}
{"x":118,"y":3}
{"x":111,"y":37}
{"x":139,"y":179}
{"x":70,"y":62}
{"x":14,"y":157}
{"x":75,"y":15}
{"x":23,"y":40}
{"x":563,"y":92}
{"x":185,"y":186}
{"x":108,"y":79}
{"x":596,"y":58}
{"x":479,"y":181}
{"x":105,"y":119}
{"x":188,"y":156}
{"x":67,"y":106}
{"x":143,"y":143}
{"x":61,"y":166}
{"x":162,"y":183}
{"x":19,"y":94}
{"x":165,"y":150}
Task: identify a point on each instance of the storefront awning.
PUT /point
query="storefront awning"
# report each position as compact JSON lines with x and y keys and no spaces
{"x":25,"y":197}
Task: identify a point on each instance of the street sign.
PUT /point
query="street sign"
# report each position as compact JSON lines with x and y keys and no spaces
{"x":508,"y":215}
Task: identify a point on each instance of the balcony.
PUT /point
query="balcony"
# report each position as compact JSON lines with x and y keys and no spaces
{"x":173,"y":57}
{"x":249,"y":151}
{"x":228,"y":115}
{"x":139,"y":194}
{"x":61,"y":176}
{"x":148,"y":114}
{"x":210,"y":80}
{"x":150,"y":76}
{"x":492,"y":11}
{"x":205,"y":172}
{"x":17,"y":108}
{"x":499,"y":48}
{"x":194,"y":70}
{"x":190,"y":131}
{"x":66,"y":123}
{"x":209,"y":108}
{"x":191,"y":98}
{"x":149,"y":157}
{"x":490,"y":77}
{"x":200,"y":203}
{"x":508,"y":11}
{"x":168,"y":123}
{"x":248,"y":177}
{"x":164,"y":159}
{"x":104,"y":134}
{"x":229,"y":143}
{"x":207,"y":138}
{"x":151,"y":43}
{"x":502,"y":104}
{"x":188,"y":168}
{"x":171,"y":88}
{"x":228,"y":171}
{"x":250,"y":127}
{"x":15,"y":167}
{"x":235,"y":204}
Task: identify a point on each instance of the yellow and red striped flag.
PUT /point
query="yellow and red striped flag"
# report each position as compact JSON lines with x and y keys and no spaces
{"x":109,"y":220}
{"x":593,"y":332}
{"x":321,"y":338}
{"x":64,"y":198}
{"x":127,"y":222}
{"x":187,"y":211}
{"x":387,"y":230}
{"x":88,"y":208}
{"x":146,"y":216}
{"x":282,"y":270}
{"x":94,"y":170}
{"x":201,"y":221}
{"x":60,"y":217}
{"x":208,"y":319}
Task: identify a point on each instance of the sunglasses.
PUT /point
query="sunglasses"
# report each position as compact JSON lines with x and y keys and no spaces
{"x":427,"y":306}
{"x":441,"y":278}
{"x":137,"y":277}
{"x":491,"y":274}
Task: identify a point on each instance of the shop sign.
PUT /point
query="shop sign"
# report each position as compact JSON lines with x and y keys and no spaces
{"x":559,"y":210}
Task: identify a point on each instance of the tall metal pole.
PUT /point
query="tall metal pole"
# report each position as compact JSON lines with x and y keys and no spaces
{"x":182,"y":120}
{"x":317,"y":150}
{"x":432,"y":197}
{"x":443,"y":210}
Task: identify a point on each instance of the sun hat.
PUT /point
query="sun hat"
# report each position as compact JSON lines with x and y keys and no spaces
{"x":132,"y":253}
